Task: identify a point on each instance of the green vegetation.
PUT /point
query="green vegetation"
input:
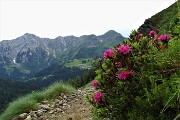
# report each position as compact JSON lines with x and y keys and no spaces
{"x":173,"y":50}
{"x":10,"y":90}
{"x":30,"y":101}
{"x":55,"y":73}
{"x":81,"y":63}
{"x":166,"y":21}
{"x":152,"y":91}
{"x":83,"y":80}
{"x":88,"y":84}
{"x":150,"y":87}
{"x":144,"y":85}
{"x":93,"y":46}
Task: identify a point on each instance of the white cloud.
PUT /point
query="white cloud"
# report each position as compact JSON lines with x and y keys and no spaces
{"x":52,"y":18}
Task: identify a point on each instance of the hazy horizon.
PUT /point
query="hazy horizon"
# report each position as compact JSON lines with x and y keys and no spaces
{"x":52,"y":18}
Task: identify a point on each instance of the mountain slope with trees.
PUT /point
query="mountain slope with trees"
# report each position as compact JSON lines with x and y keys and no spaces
{"x":166,"y":21}
{"x":10,"y":90}
{"x":23,"y":57}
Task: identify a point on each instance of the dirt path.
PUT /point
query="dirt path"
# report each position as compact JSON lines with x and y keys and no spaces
{"x":70,"y":107}
{"x":74,"y":107}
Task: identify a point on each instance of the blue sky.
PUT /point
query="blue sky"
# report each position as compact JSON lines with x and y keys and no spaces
{"x":52,"y":18}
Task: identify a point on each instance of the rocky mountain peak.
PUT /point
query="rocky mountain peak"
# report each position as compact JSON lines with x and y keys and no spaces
{"x":111,"y":33}
{"x":29,"y":35}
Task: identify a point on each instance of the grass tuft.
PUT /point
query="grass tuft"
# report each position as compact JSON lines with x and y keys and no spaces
{"x":88,"y":85}
{"x":28,"y":102}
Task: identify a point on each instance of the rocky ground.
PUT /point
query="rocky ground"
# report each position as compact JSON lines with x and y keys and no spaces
{"x":64,"y":107}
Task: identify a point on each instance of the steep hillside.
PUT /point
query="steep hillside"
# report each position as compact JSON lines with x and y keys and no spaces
{"x":10,"y":90}
{"x":55,"y":73}
{"x":166,"y":21}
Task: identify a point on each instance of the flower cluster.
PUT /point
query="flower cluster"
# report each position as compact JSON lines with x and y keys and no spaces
{"x":124,"y":49}
{"x":164,"y":37}
{"x":124,"y":74}
{"x":94,"y":83}
{"x":108,"y":54}
{"x":97,"y":96}
{"x":152,"y":33}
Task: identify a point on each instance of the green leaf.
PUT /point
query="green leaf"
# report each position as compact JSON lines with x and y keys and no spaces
{"x":144,"y":39}
{"x":108,"y":61}
{"x":136,"y":45}
{"x":104,"y":66}
{"x":98,"y":77}
{"x":98,"y":71}
{"x":108,"y":70}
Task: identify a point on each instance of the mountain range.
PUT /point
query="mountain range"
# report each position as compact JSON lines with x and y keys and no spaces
{"x":25,"y":56}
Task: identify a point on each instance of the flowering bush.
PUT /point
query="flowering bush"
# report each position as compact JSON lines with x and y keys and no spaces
{"x":130,"y":81}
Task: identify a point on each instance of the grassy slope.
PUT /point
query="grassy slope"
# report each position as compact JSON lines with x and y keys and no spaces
{"x":77,"y":62}
{"x":163,"y":21}
{"x":30,"y":101}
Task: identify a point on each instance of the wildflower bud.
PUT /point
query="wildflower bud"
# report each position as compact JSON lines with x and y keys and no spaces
{"x":94,"y":83}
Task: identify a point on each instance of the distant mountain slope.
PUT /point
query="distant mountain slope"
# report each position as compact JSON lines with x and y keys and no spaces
{"x":164,"y":21}
{"x":23,"y":57}
{"x":54,"y":73}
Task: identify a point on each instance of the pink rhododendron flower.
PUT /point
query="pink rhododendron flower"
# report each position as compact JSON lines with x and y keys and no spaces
{"x":155,"y":39}
{"x":167,"y":37}
{"x":119,"y":64}
{"x":124,"y":74}
{"x":97,"y":96}
{"x":108,"y":54}
{"x":160,"y":38}
{"x":152,"y":33}
{"x":94,"y":83}
{"x":164,"y":37}
{"x":124,"y":49}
